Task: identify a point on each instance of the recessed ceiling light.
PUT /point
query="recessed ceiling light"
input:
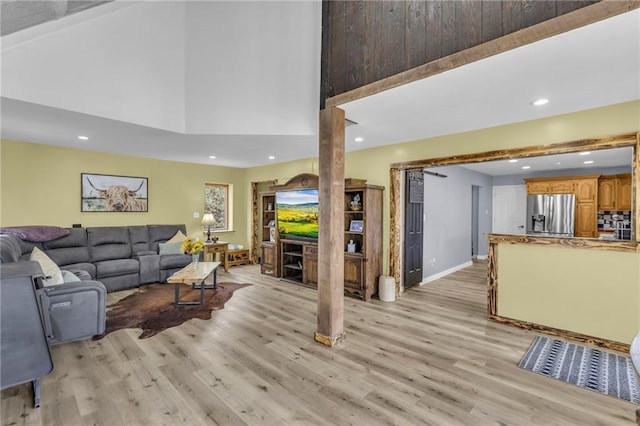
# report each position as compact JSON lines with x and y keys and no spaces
{"x":83,"y":138}
{"x":271,"y":157}
{"x":526,"y":167}
{"x":513,"y":161}
{"x":358,"y":139}
{"x":540,"y":102}
{"x":588,"y":162}
{"x":585,"y":153}
{"x":213,"y":157}
{"x":558,"y":163}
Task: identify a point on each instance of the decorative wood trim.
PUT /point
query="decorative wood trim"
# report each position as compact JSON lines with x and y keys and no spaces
{"x":581,"y":243}
{"x":635,"y":189}
{"x":254,"y":222}
{"x":618,"y":141}
{"x":565,"y":334}
{"x":558,"y":25}
{"x":394,"y":227}
{"x":301,"y":181}
{"x":492,"y":280}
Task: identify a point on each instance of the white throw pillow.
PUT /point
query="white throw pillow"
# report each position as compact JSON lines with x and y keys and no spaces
{"x":178,"y":238}
{"x":49,"y":268}
{"x":69,"y":277}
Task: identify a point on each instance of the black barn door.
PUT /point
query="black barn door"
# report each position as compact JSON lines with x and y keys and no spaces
{"x":413,"y":232}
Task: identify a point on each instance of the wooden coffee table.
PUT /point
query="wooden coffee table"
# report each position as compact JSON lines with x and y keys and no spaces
{"x":194,"y":276}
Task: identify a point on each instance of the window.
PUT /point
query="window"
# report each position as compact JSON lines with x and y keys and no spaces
{"x":217,"y":200}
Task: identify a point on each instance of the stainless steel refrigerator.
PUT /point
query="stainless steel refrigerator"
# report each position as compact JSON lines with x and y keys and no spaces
{"x":551,"y":215}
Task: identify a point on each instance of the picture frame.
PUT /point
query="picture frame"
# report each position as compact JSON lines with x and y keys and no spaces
{"x":113,"y":193}
{"x":356,"y":226}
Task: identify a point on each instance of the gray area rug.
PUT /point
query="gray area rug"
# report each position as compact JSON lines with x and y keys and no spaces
{"x":594,"y":369}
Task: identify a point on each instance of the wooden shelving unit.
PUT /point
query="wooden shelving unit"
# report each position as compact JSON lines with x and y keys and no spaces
{"x":297,"y":260}
{"x":269,"y":235}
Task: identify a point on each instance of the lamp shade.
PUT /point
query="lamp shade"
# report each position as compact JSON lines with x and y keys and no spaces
{"x":208,"y":219}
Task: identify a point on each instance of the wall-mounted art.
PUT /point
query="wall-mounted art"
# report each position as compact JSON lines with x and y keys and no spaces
{"x":109,"y":193}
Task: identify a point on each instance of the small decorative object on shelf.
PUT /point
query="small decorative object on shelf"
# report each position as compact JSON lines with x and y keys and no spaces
{"x":194,"y":248}
{"x":355,"y":203}
{"x":351,"y":247}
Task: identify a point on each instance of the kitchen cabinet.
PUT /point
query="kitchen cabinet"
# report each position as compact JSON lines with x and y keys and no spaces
{"x":537,"y":187}
{"x":607,"y":193}
{"x":561,"y":187}
{"x":586,"y":220}
{"x":623,"y":192}
{"x":586,"y":189}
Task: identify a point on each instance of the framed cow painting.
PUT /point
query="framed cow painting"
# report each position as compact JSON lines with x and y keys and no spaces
{"x":109,"y":193}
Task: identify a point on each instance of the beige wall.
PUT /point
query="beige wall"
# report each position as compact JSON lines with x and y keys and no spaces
{"x":593,"y":292}
{"x":41,"y":186}
{"x":373,"y":164}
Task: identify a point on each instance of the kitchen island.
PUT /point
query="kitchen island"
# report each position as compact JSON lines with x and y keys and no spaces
{"x":584,"y":289}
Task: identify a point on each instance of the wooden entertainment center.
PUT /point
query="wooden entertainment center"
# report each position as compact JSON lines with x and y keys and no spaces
{"x":296,"y":260}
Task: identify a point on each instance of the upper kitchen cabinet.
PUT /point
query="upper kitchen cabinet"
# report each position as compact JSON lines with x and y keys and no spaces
{"x":623,"y":193}
{"x":607,"y":193}
{"x":614,"y":192}
{"x":587,"y":189}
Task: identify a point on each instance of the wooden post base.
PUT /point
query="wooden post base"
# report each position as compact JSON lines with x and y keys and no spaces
{"x":328,"y":341}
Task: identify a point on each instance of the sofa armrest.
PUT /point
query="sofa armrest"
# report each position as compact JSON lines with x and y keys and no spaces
{"x":83,"y":275}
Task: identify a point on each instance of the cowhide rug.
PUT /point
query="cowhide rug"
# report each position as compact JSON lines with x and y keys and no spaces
{"x":151,"y":308}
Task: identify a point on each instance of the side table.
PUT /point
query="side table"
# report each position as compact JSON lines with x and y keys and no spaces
{"x":218,"y":248}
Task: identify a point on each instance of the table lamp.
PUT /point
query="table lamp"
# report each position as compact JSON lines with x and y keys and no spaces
{"x":208,"y":220}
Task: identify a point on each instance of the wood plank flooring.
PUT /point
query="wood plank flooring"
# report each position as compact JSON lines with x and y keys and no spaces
{"x":429,"y":358}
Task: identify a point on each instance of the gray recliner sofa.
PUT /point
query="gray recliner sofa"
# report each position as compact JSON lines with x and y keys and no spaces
{"x":120,"y":257}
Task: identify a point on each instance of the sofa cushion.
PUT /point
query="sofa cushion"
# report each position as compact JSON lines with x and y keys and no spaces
{"x":139,"y":238}
{"x":177,"y":238}
{"x":112,"y":268}
{"x":162,"y":233}
{"x":10,"y":250}
{"x":169,"y":248}
{"x":108,"y":243}
{"x":174,"y":261}
{"x":53,"y":275}
{"x":89,"y":268}
{"x":70,"y":249}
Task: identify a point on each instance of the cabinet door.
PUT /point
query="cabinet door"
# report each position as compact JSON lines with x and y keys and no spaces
{"x":586,"y":190}
{"x":623,"y":193}
{"x":268,"y":259}
{"x":586,"y":219}
{"x":561,"y":187}
{"x":353,"y":278}
{"x":310,"y":261}
{"x":538,"y":187}
{"x":607,"y":194}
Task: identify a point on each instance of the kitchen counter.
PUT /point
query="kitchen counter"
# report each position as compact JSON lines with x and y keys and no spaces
{"x":584,"y":289}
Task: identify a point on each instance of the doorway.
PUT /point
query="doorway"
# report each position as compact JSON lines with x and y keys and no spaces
{"x":413,"y":227}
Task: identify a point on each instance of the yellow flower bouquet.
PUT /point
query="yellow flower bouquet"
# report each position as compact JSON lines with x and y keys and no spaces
{"x":191,"y":246}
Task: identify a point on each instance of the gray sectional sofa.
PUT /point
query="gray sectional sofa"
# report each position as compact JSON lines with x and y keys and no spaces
{"x":120,"y":257}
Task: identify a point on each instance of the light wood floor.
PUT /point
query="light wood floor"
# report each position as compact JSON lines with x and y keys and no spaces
{"x":431,"y":357}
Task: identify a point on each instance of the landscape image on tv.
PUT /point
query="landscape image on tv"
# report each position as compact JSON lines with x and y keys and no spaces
{"x":297,"y":213}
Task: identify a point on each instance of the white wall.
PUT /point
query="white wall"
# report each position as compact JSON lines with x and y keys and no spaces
{"x":246,"y":67}
{"x":124,"y":65}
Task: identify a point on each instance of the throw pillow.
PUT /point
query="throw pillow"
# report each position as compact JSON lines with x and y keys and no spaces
{"x":178,"y":238}
{"x":69,"y":277}
{"x":169,"y":248}
{"x":52,"y":273}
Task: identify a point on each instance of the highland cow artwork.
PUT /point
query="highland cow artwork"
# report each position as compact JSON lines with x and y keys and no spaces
{"x":108,"y":193}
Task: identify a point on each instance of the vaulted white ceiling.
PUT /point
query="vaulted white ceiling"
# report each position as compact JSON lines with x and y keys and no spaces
{"x":240,"y":81}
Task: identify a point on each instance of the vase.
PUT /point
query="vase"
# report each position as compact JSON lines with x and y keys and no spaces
{"x":195,"y":258}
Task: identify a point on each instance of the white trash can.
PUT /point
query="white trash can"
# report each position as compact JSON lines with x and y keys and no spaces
{"x":386,"y":289}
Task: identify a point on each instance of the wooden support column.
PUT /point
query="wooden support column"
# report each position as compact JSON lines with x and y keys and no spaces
{"x":330,"y":326}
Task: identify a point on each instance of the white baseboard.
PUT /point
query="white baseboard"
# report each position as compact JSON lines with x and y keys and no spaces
{"x":481,"y":256}
{"x":446,"y":272}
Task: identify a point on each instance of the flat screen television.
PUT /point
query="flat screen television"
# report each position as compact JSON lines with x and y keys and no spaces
{"x":298,"y":214}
